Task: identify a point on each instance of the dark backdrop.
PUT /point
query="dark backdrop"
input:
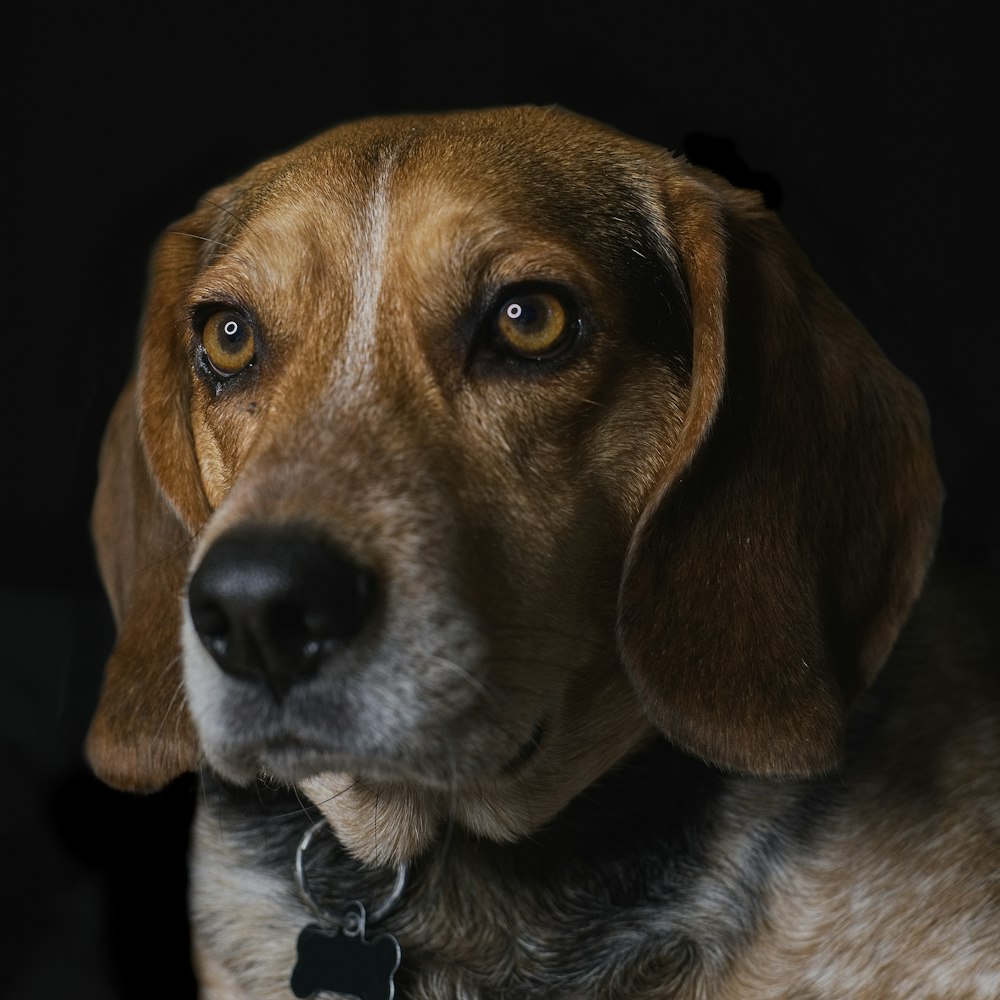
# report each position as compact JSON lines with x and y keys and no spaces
{"x":870,"y":128}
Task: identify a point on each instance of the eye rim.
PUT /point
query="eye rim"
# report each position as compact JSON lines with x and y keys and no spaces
{"x":561,"y":345}
{"x":211,"y":365}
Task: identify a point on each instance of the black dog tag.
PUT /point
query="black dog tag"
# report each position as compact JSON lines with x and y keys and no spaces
{"x":342,"y":960}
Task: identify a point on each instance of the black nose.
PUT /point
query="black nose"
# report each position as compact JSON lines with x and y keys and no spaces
{"x":270,"y":604}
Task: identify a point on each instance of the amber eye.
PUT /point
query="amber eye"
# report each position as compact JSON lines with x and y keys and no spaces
{"x":228,"y":339}
{"x":534,"y":324}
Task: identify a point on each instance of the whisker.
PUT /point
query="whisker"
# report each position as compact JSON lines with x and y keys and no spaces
{"x":303,"y":806}
{"x":239,"y":219}
{"x":178,"y":694}
{"x":477,"y":683}
{"x":493,"y":696}
{"x":322,"y":802}
{"x":198,"y":236}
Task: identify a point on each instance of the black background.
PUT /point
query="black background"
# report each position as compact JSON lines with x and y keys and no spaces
{"x":872,"y":129}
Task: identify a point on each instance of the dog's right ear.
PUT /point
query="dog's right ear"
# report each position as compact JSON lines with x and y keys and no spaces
{"x":141,"y":736}
{"x":150,"y":504}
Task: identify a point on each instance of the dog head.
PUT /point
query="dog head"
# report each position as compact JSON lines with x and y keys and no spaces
{"x":465,"y":452}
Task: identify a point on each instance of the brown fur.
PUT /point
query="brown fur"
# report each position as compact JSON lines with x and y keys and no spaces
{"x":701,"y":528}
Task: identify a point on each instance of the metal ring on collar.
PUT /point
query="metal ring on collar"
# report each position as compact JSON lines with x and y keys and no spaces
{"x":381,"y":911}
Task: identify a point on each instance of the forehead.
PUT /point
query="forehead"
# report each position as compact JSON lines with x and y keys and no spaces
{"x":483,"y":176}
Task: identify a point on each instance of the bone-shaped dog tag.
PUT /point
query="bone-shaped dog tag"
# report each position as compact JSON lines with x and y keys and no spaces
{"x":342,"y":960}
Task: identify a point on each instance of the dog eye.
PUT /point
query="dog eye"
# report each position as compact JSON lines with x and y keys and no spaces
{"x":228,"y":340}
{"x":534,"y":325}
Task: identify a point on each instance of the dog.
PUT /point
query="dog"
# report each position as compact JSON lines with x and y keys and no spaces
{"x":532,"y":555}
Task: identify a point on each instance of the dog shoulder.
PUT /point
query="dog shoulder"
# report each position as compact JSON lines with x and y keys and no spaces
{"x":891,"y":884}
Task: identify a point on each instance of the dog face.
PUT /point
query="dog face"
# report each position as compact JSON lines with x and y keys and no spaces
{"x":466,"y":452}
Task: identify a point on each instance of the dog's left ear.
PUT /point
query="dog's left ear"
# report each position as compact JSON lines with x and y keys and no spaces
{"x":772,"y":569}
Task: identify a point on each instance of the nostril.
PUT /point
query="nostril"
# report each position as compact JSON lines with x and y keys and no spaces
{"x":307,"y":627}
{"x":338,"y":606}
{"x":212,"y":626}
{"x":270,"y":604}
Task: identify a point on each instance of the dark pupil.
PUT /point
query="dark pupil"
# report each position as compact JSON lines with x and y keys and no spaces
{"x":232,"y":335}
{"x":526,"y":314}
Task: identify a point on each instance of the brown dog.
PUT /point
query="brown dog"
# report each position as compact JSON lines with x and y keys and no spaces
{"x":516,"y":497}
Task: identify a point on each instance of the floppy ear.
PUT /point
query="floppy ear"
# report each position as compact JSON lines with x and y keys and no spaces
{"x":148,"y":506}
{"x":770,"y":573}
